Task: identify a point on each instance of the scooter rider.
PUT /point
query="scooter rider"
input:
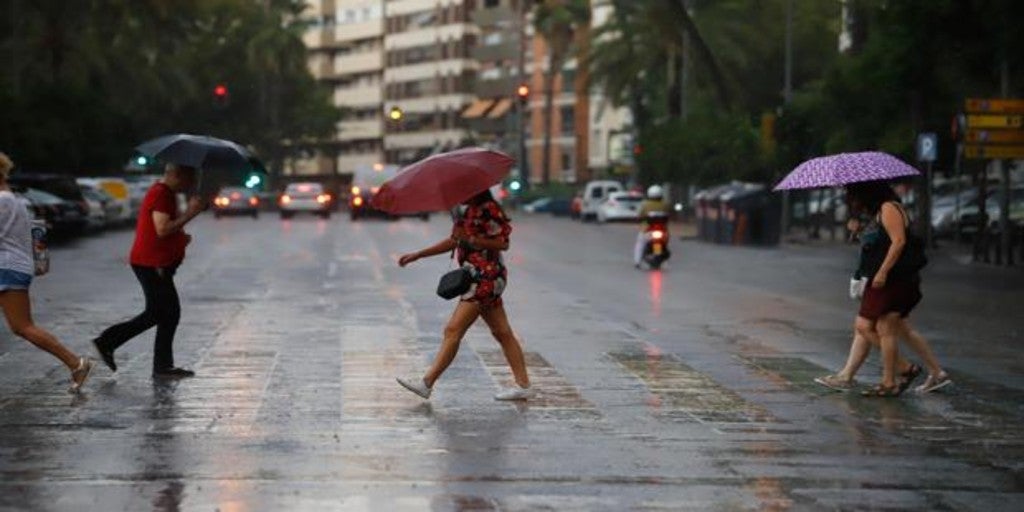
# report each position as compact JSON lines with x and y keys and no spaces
{"x":654,"y":203}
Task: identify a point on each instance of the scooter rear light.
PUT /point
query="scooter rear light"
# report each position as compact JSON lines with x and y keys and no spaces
{"x":357,"y":201}
{"x":657,"y":235}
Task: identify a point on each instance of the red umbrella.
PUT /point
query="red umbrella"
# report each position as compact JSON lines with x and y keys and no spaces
{"x":442,"y":181}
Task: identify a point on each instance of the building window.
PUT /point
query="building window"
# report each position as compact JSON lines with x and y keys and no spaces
{"x":568,"y":121}
{"x":492,"y":3}
{"x":569,"y":80}
{"x":566,"y":160}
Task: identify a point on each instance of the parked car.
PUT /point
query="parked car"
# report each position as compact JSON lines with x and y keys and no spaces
{"x":138,"y":185}
{"x":120,"y":196}
{"x":305,"y":197}
{"x":594,"y":194}
{"x":102,"y":209}
{"x":236,"y":201}
{"x":623,"y":206}
{"x":62,"y":217}
{"x":539,"y":205}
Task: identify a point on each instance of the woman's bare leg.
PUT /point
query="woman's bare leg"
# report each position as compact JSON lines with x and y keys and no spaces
{"x":859,"y":351}
{"x":919,"y":345}
{"x":18,"y":311}
{"x":888,"y":328}
{"x":462,"y":318}
{"x":497,"y":320}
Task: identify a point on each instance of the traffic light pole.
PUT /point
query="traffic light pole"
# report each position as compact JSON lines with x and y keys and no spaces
{"x":522,"y":106}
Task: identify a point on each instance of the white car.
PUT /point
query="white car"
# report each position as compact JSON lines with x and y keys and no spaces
{"x":620,"y":206}
{"x":305,"y":197}
{"x":594,"y":194}
{"x":119,"y":207}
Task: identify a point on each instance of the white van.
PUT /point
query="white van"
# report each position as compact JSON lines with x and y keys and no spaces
{"x":595,"y":193}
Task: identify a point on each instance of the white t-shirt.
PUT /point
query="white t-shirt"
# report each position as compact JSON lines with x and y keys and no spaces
{"x":15,"y":235}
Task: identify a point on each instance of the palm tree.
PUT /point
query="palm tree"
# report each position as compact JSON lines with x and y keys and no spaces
{"x":558,"y":22}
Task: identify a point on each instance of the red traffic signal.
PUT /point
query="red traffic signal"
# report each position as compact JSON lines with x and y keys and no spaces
{"x":523,"y":91}
{"x":220,"y":91}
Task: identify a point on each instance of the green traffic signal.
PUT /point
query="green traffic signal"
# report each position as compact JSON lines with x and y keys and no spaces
{"x":253,"y":181}
{"x":142,"y":161}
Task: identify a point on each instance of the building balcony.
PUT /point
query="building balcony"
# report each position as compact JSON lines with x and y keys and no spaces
{"x":358,"y":96}
{"x":318,"y":38}
{"x":348,"y":163}
{"x":506,"y":50}
{"x":360,"y":130}
{"x":424,"y":139}
{"x":492,"y":16}
{"x":358,"y":63}
{"x":350,"y":32}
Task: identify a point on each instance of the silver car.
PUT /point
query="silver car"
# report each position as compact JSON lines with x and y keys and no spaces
{"x":305,"y":197}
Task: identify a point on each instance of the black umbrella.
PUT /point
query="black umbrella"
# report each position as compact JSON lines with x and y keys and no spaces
{"x":199,"y":151}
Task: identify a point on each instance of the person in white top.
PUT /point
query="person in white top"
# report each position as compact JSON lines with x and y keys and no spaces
{"x":16,"y":270}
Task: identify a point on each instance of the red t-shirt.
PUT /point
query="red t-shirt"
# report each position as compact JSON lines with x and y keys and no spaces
{"x":150,"y":250}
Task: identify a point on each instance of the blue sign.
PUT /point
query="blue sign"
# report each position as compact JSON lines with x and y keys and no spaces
{"x":927,"y":147}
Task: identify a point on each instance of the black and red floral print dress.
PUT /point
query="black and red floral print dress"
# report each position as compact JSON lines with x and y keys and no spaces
{"x":484,"y":221}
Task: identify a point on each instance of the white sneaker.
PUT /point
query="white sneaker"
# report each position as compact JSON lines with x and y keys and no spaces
{"x":934,"y":383}
{"x":515,"y":392}
{"x":416,"y":385}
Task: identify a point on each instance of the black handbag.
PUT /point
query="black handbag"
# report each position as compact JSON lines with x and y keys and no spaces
{"x":454,"y":283}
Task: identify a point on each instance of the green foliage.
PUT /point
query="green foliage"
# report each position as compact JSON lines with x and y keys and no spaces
{"x":87,"y":81}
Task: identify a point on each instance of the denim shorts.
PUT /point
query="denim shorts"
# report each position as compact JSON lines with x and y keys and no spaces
{"x":14,"y":280}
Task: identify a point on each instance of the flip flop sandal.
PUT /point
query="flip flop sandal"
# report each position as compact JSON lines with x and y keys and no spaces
{"x":908,"y":377}
{"x":880,"y":391}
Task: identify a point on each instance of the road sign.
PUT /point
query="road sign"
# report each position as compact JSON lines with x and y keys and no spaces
{"x":993,"y":152}
{"x":927,"y":147}
{"x":994,"y":106}
{"x":989,"y":121}
{"x":994,"y":137}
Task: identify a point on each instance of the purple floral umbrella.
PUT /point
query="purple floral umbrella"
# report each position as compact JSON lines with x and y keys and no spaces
{"x":844,"y":168}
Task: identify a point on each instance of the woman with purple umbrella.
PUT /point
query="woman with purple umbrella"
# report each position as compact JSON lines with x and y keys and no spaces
{"x":893,"y":292}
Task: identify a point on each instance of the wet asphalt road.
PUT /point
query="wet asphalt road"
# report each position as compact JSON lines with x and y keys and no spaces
{"x":687,"y":389}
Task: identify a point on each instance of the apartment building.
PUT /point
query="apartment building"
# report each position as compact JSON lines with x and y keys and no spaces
{"x":428,"y":76}
{"x":345,"y":39}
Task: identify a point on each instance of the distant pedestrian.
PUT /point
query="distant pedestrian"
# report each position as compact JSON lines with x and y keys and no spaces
{"x":891,"y":294}
{"x":17,"y":268}
{"x":156,"y":254}
{"x":480,"y":235}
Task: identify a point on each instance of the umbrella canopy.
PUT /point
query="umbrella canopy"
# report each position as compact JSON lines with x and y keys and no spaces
{"x":199,"y":151}
{"x":442,"y":181}
{"x":844,"y":168}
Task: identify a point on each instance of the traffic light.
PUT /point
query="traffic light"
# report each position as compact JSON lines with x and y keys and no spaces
{"x":515,"y":186}
{"x":221,"y":96}
{"x":254,"y":180}
{"x":396,"y":114}
{"x":523,"y":93}
{"x":142,"y":160}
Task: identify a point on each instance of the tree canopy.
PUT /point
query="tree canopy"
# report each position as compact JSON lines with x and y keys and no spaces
{"x":87,"y":81}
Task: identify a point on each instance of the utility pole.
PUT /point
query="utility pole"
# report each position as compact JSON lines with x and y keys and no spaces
{"x":1005,"y":228}
{"x":522,"y":107}
{"x":787,"y":95}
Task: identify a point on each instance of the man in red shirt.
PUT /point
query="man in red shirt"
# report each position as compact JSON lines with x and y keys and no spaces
{"x":159,"y":249}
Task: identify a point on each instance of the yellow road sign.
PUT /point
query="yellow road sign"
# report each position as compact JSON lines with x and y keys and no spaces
{"x":994,"y":106}
{"x":987,"y":121}
{"x":995,"y":136}
{"x":993,"y":152}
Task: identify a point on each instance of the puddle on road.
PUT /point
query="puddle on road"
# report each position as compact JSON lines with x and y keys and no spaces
{"x":680,"y":393}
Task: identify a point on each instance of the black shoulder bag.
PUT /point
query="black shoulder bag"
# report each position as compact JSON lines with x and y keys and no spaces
{"x":454,"y":282}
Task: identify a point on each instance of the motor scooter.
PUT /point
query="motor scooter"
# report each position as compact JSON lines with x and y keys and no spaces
{"x":655,"y":235}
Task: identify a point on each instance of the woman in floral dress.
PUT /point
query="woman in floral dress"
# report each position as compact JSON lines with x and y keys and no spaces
{"x":479,"y":236}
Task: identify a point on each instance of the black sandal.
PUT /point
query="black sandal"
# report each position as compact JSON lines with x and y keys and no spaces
{"x":908,"y":377}
{"x":880,"y":391}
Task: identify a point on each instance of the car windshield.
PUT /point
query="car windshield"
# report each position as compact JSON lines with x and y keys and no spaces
{"x":235,"y":192}
{"x":40,"y":197}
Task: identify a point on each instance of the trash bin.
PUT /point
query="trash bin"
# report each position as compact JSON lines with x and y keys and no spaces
{"x":753,"y":215}
{"x":709,"y":213}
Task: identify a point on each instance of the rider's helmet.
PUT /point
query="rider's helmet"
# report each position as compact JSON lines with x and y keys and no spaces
{"x":655,"y":193}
